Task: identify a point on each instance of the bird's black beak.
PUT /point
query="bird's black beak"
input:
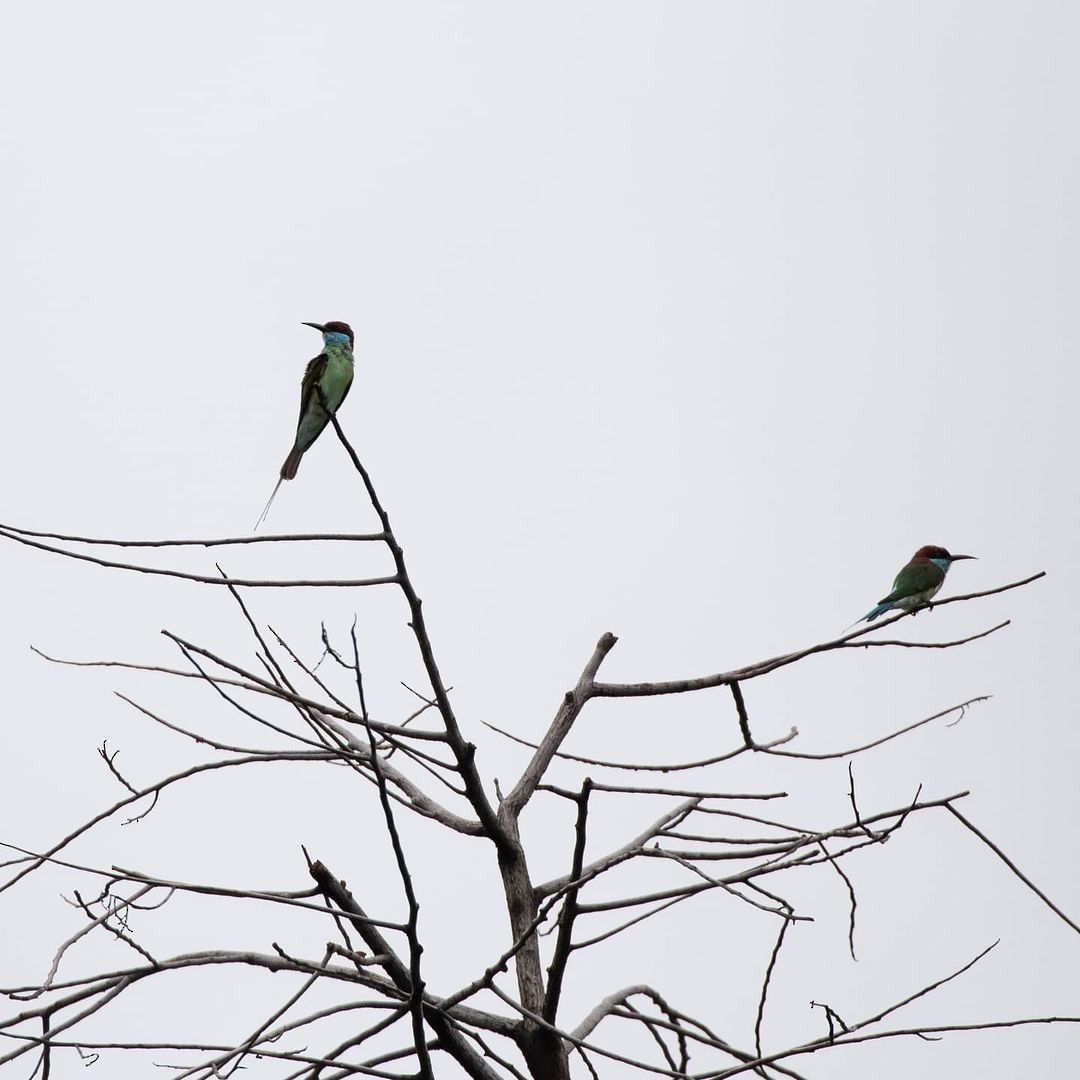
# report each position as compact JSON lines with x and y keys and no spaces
{"x":315,"y":326}
{"x":957,"y":558}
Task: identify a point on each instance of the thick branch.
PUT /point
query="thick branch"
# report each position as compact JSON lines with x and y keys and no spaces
{"x":566,"y":923}
{"x":572,"y":704}
{"x":450,"y":1038}
{"x":418,"y":799}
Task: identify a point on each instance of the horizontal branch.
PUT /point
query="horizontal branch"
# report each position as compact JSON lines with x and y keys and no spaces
{"x":253,"y":683}
{"x":118,"y":874}
{"x":288,"y":899}
{"x":855,"y":1034}
{"x":764,"y":667}
{"x":944,"y":1029}
{"x":791,"y":858}
{"x":621,"y":854}
{"x":742,"y":877}
{"x":109,"y":985}
{"x":898,"y":643}
{"x":987,"y":592}
{"x":832,"y":755}
{"x":202,"y":579}
{"x":703,"y":1035}
{"x":680,"y":793}
{"x":160,"y":785}
{"x":633,"y":766}
{"x":217,"y":542}
{"x":264,"y":1051}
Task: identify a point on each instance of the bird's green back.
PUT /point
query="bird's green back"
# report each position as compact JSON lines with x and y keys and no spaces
{"x":915,"y":578}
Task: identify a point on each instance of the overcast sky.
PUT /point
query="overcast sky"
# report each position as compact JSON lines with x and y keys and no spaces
{"x":685,"y":321}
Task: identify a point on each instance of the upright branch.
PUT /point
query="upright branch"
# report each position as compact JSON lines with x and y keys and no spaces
{"x":566,"y":923}
{"x":416,"y":982}
{"x":569,"y":710}
{"x":463,"y":751}
{"x":444,"y":1026}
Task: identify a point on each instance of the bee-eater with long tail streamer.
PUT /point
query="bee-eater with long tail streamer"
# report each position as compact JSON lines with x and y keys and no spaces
{"x":326,"y":382}
{"x":918,"y":582}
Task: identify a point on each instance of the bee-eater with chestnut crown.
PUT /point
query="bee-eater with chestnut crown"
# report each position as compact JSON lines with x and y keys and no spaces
{"x":326,"y":382}
{"x":918,"y":582}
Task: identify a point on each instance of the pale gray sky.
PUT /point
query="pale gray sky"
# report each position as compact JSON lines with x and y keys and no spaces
{"x":689,"y":322}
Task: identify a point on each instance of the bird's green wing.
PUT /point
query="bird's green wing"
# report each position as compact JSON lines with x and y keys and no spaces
{"x":913,"y":580}
{"x":345,"y":392}
{"x":312,"y":374}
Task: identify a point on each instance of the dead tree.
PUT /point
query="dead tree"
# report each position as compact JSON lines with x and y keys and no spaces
{"x":433,"y":771}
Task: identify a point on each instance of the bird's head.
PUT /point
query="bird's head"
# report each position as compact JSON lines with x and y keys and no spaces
{"x":333,"y":332}
{"x":933,"y":553}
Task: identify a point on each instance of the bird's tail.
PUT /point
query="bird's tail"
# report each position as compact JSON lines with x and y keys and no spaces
{"x":266,"y":508}
{"x":877,"y":612}
{"x":870,"y":616}
{"x":292,"y":463}
{"x":288,"y":471}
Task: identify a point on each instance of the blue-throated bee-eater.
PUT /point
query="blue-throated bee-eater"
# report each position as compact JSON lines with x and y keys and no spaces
{"x":918,"y":583}
{"x":326,"y":382}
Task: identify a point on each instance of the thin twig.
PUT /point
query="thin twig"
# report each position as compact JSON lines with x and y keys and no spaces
{"x":784,"y":924}
{"x":154,"y":789}
{"x":851,"y":896}
{"x":1013,"y":867}
{"x":875,"y":742}
{"x":634,"y":766}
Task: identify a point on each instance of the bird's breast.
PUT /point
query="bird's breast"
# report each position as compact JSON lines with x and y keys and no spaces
{"x":336,"y":379}
{"x":909,"y":603}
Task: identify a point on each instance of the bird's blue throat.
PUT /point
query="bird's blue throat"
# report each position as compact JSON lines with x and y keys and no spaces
{"x":333,"y":337}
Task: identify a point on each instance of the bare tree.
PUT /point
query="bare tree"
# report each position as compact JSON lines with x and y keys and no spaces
{"x":371,"y":974}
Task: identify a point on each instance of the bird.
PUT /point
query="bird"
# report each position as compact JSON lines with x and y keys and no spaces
{"x":327,"y":379}
{"x":918,"y":582}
